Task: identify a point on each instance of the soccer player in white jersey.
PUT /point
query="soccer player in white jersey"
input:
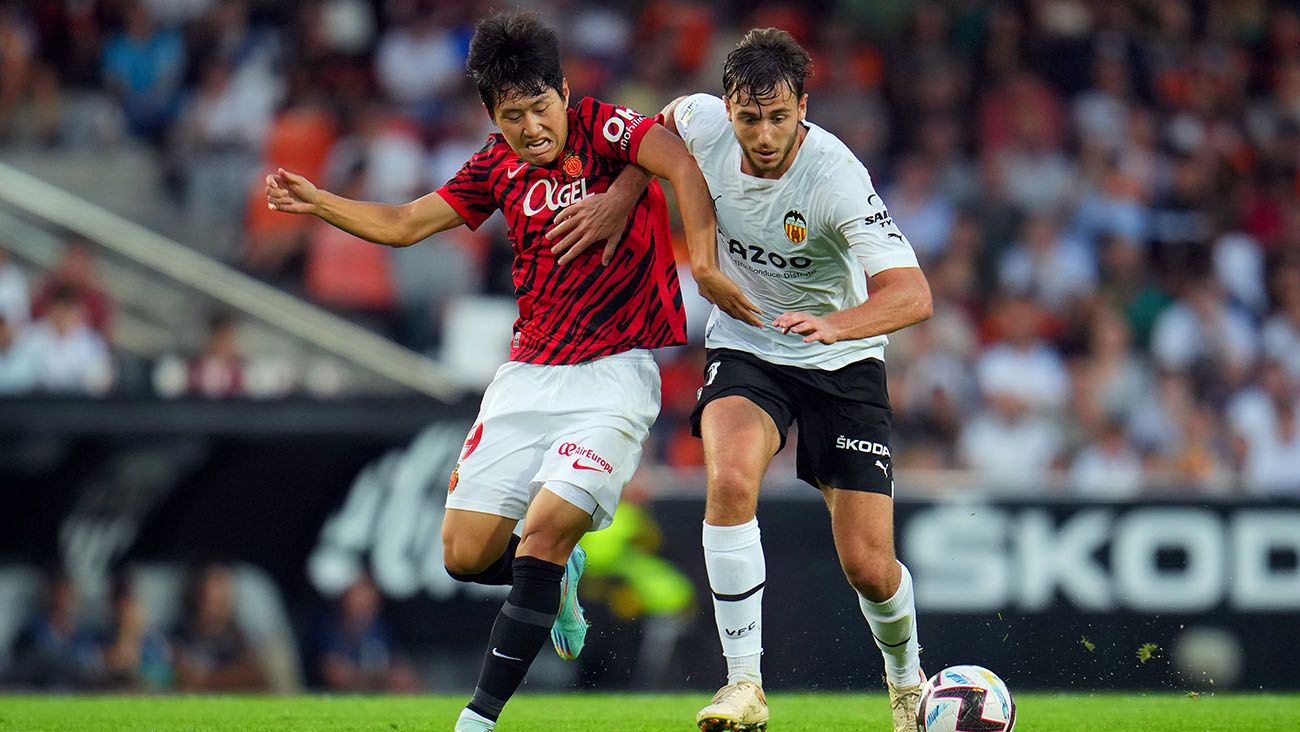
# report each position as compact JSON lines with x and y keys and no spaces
{"x":806,"y":237}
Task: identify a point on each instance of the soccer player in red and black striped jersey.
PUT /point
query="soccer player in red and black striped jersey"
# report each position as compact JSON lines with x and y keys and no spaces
{"x":560,"y":428}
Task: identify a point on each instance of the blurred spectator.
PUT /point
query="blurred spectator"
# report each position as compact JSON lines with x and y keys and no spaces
{"x":421,"y":58}
{"x":354,"y":652}
{"x":1199,"y":463}
{"x":69,"y":357}
{"x":1022,"y":365}
{"x":1108,"y":467}
{"x":1205,"y":335}
{"x":219,"y":138}
{"x":218,"y":370}
{"x":18,"y":366}
{"x":1281,"y":333}
{"x":345,"y":272}
{"x":212,"y":652}
{"x":135,"y":656}
{"x":1239,"y":268}
{"x":1024,"y":383}
{"x":1008,"y":446}
{"x":15,"y":302}
{"x":144,"y":66}
{"x":75,"y":271}
{"x":1101,"y":112}
{"x":1127,"y":286}
{"x":937,"y":391}
{"x":919,"y":208}
{"x":300,"y":137}
{"x":1022,"y":130}
{"x":1157,"y":420}
{"x":1111,"y":379}
{"x":29,"y":89}
{"x":1265,"y":421}
{"x":55,"y":650}
{"x":1047,"y":265}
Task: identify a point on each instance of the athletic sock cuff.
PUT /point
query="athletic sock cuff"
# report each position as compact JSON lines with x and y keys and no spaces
{"x":731,"y":538}
{"x":901,"y":599}
{"x":536,"y":585}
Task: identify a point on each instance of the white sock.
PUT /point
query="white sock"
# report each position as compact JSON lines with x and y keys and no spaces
{"x":733,"y":556}
{"x":471,"y":716}
{"x":893,"y":625}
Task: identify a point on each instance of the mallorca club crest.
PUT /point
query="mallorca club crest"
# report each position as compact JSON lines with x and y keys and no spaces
{"x":472,"y":440}
{"x":796,"y":227}
{"x":572,"y":166}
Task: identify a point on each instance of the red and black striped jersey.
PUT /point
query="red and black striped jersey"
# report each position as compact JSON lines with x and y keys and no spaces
{"x":583,"y":310}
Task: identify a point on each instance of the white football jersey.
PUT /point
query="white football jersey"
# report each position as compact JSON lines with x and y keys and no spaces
{"x":803,"y":242}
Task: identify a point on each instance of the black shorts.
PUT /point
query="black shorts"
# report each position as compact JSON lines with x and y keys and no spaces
{"x":844,"y":416}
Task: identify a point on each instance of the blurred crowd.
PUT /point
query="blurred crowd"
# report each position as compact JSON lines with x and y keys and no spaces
{"x":1105,"y":196}
{"x":72,"y":642}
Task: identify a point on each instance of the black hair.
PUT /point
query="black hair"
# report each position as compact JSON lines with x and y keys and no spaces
{"x":762,"y":60}
{"x":513,"y":54}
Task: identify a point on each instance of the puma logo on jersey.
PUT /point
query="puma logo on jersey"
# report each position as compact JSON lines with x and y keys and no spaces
{"x":882,"y":467}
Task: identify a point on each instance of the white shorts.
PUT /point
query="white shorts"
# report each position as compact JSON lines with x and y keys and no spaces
{"x":580,"y":425}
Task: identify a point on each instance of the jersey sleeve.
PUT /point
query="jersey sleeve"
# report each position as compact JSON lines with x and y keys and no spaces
{"x":468,"y":191}
{"x":701,"y":120}
{"x":860,"y":215}
{"x":616,"y":132}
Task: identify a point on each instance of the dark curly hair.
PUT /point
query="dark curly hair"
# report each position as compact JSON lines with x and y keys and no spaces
{"x":763,"y":59}
{"x":513,"y":55}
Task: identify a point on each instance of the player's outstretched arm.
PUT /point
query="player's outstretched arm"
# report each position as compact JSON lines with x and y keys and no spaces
{"x":394,"y":226}
{"x":900,"y":297}
{"x":665,"y":155}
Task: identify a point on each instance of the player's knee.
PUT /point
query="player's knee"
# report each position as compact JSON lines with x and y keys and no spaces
{"x":548,"y":545}
{"x":873,"y":577}
{"x":732,"y":494}
{"x":461,"y":560}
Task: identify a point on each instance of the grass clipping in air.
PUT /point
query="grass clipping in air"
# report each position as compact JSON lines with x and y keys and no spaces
{"x":1147,"y":652}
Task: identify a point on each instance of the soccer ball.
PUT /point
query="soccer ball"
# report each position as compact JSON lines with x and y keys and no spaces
{"x":965,"y":699}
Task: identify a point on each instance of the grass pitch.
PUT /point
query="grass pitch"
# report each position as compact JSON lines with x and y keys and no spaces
{"x":1110,"y":712}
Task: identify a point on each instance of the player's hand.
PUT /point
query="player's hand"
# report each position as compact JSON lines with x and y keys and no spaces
{"x":718,"y":289}
{"x":811,"y":327}
{"x":291,"y":193}
{"x":595,"y":218}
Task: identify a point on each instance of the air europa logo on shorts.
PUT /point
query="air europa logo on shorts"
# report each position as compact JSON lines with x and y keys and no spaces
{"x":578,"y":452}
{"x":867,"y":446}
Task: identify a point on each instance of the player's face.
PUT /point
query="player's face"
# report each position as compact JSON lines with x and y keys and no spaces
{"x":535,"y":127}
{"x":768,"y":130}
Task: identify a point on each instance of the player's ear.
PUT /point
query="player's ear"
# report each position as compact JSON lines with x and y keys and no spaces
{"x":803,"y":108}
{"x":564,"y":90}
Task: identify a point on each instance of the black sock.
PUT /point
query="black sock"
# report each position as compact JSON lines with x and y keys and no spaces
{"x":500,"y":572}
{"x":521,"y":629}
